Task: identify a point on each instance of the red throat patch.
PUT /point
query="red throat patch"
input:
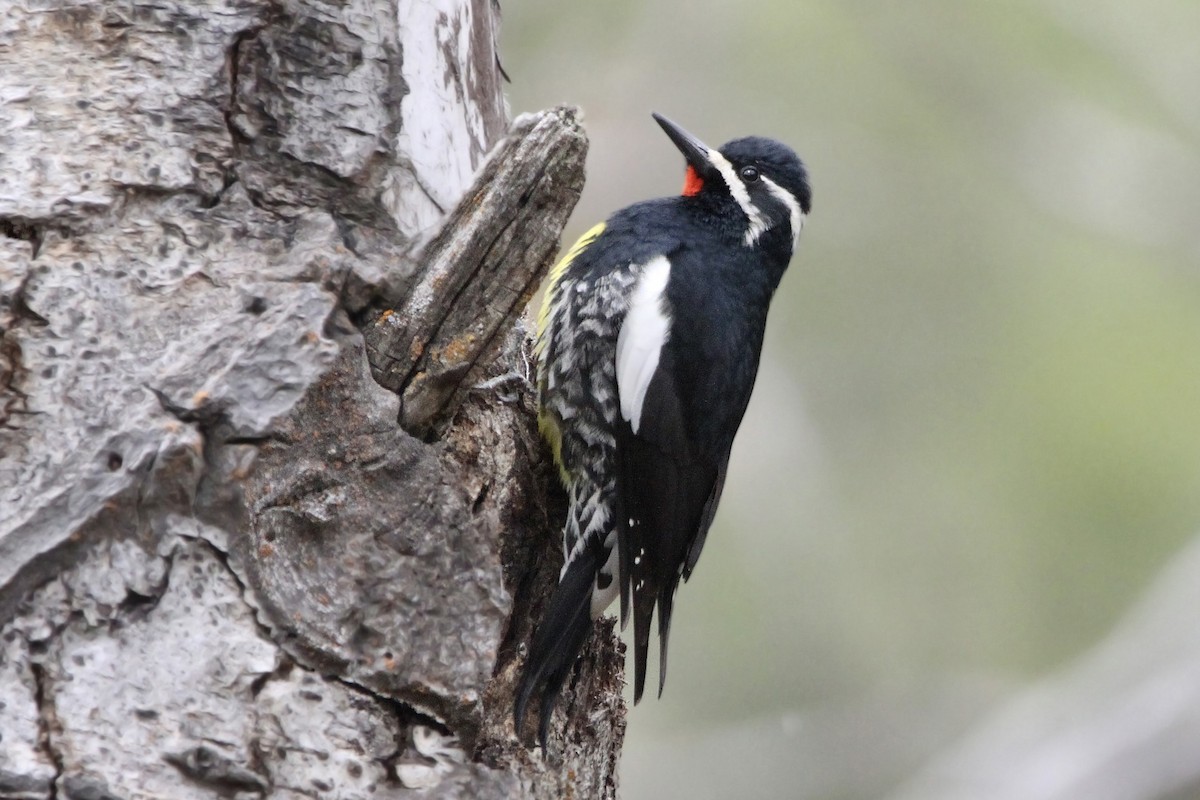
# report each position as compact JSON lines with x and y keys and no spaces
{"x":692,"y":182}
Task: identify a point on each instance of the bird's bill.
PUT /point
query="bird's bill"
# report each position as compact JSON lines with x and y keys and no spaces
{"x":694,"y":150}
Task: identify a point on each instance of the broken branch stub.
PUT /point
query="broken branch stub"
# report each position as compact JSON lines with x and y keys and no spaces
{"x":480,"y":269}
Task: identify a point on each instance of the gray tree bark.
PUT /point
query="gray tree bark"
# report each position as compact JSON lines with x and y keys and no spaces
{"x":245,"y":551}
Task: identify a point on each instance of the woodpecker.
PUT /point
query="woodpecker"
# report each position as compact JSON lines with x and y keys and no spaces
{"x":648,"y":345}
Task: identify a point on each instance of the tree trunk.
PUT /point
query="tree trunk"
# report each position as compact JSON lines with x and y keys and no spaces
{"x":226,"y":567}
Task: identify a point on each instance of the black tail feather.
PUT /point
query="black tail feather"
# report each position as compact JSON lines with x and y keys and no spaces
{"x":666,"y":601}
{"x":578,"y":635}
{"x":643,"y":613}
{"x":624,"y":559}
{"x":558,"y":641}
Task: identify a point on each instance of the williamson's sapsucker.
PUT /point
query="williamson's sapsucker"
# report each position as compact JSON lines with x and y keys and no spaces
{"x":648,"y":345}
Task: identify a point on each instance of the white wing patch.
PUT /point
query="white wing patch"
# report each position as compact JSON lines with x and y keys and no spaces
{"x":643,"y":333}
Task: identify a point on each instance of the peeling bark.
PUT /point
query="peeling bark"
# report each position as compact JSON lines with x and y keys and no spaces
{"x":225,"y":568}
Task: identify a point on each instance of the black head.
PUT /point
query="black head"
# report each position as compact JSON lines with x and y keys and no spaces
{"x":765,"y":177}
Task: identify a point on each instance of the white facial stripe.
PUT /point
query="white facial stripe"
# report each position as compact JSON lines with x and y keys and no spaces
{"x":738,"y":190}
{"x":736,"y":187}
{"x":643,"y":334}
{"x":793,"y":206}
{"x":757,"y":226}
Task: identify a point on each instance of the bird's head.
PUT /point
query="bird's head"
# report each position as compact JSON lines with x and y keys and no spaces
{"x":765,"y":178}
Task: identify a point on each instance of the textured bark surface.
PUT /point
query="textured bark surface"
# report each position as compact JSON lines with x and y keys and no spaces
{"x":225,"y":568}
{"x":436,"y":343}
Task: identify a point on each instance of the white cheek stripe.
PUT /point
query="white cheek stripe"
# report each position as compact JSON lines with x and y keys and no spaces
{"x":738,"y":189}
{"x":645,"y":330}
{"x":786,"y":197}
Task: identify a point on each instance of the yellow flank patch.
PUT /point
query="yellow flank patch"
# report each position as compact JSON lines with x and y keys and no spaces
{"x":556,"y":274}
{"x":550,"y":431}
{"x":547,"y":424}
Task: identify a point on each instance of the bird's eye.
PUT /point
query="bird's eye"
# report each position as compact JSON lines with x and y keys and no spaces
{"x":749,"y":174}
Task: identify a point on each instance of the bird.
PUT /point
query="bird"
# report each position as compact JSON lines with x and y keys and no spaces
{"x":648,"y":345}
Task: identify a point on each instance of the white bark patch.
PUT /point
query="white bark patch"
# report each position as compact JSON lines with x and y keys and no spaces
{"x":645,"y":330}
{"x":444,"y":133}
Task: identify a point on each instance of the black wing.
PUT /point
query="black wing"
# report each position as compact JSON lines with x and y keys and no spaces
{"x":669,"y":493}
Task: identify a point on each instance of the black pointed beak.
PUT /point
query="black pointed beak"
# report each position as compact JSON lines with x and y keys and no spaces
{"x":694,"y":150}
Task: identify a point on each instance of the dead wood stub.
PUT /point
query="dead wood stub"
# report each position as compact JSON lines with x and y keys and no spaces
{"x":479,"y":270}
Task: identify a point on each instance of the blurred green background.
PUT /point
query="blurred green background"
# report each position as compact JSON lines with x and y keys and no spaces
{"x":976,"y":432}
